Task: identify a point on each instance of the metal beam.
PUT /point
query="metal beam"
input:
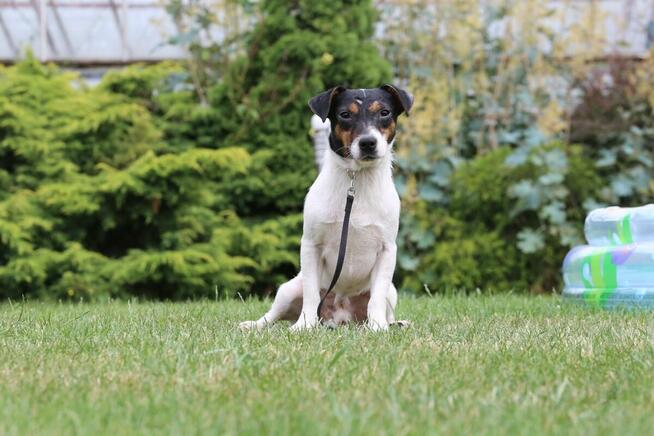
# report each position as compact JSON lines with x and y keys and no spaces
{"x":95,"y":5}
{"x":121,"y":24}
{"x":45,"y":37}
{"x":8,"y":37}
{"x":43,"y":28}
{"x":62,"y":29}
{"x":92,"y":62}
{"x":123,"y":15}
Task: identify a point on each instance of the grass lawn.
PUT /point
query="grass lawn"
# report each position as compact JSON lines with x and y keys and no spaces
{"x":503,"y":364}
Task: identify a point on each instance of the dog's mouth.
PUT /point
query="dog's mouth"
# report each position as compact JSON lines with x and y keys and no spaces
{"x":369,"y":157}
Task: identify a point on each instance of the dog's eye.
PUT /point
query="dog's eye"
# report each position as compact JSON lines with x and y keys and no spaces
{"x":345,"y":115}
{"x":385,"y":112}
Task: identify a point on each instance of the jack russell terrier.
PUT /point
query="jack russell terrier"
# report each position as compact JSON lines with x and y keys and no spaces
{"x":363,"y":123}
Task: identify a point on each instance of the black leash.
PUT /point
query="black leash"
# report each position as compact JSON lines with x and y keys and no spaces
{"x":343,"y":246}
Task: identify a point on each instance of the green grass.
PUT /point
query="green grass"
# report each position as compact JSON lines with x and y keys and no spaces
{"x":503,"y":364}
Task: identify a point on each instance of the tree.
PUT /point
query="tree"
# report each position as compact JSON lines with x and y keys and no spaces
{"x":296,"y":49}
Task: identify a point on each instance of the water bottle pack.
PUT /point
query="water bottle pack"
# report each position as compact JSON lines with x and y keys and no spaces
{"x":616,"y":269}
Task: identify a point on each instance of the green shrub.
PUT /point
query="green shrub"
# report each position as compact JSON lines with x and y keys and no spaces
{"x":95,"y":205}
{"x":297,"y":49}
{"x":507,"y":224}
{"x":489,"y":100}
{"x":147,"y":185}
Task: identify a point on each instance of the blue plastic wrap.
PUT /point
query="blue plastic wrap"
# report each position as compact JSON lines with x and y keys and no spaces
{"x":620,"y":225}
{"x":617,"y":268}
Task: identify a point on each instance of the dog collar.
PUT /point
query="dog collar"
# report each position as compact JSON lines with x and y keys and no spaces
{"x":353,"y":177}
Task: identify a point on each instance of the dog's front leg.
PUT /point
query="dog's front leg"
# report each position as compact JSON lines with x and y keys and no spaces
{"x":310,"y":266}
{"x":382,"y":277}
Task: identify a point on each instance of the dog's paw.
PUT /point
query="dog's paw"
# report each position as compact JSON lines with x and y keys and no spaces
{"x":377,"y":326}
{"x":246,"y":326}
{"x":306,"y":321}
{"x":303,"y":325}
{"x":298,"y":327}
{"x":402,"y":324}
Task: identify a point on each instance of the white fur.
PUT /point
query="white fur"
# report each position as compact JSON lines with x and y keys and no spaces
{"x":383,"y":147}
{"x":371,"y":249}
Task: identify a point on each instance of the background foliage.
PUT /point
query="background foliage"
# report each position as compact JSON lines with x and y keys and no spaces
{"x":503,"y":156}
{"x":187,"y":180}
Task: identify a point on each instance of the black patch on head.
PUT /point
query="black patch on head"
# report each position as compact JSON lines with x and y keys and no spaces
{"x":377,"y":107}
{"x":321,"y":104}
{"x":404,"y":98}
{"x":339,"y":145}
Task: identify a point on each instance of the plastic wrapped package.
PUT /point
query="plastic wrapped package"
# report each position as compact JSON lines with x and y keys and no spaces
{"x":617,"y":268}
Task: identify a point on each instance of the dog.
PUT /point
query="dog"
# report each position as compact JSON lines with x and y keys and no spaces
{"x":363,"y":126}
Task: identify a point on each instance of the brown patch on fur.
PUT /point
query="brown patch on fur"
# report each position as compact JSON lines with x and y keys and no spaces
{"x":375,"y":106}
{"x":356,"y":305}
{"x":293,"y":311}
{"x":345,"y":137}
{"x":388,"y":132}
{"x":354,"y":108}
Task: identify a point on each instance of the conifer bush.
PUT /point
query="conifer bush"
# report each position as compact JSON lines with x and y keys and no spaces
{"x":295,"y":50}
{"x":94,"y":205}
{"x":139,"y":187}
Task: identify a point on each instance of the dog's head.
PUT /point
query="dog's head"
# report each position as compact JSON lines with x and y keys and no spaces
{"x":363,"y":121}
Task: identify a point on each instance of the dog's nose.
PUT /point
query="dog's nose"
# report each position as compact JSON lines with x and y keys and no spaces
{"x":368,"y":143}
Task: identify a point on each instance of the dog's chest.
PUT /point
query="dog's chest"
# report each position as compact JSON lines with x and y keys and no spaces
{"x":365,"y":241}
{"x":363,"y":238}
{"x":373,"y":225}
{"x":368,"y":226}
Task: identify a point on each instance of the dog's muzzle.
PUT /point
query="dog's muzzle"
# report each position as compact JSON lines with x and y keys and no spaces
{"x":368,"y":147}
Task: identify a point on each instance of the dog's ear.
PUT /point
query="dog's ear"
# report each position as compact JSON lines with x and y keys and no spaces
{"x":403,"y":97}
{"x":321,"y":104}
